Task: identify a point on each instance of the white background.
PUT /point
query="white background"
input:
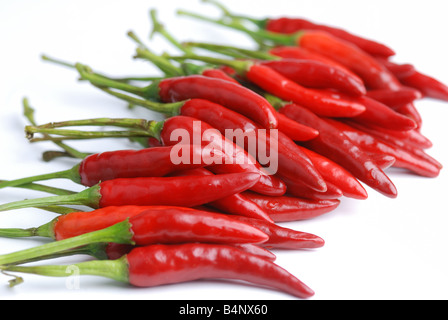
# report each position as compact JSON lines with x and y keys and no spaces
{"x":375,"y":249}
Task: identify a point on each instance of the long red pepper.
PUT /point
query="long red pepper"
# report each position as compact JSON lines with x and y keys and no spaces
{"x":237,"y":159}
{"x":288,"y":208}
{"x":277,"y":84}
{"x":284,"y":238}
{"x":150,"y":162}
{"x":336,"y":146}
{"x":298,"y":189}
{"x":294,"y":130}
{"x":166,"y":264}
{"x":291,"y":25}
{"x":175,"y":89}
{"x":395,"y":98}
{"x":403,"y":159}
{"x":407,"y":74}
{"x":374,"y":74}
{"x":236,"y":204}
{"x":337,"y":175}
{"x":292,"y":162}
{"x":314,"y":74}
{"x":159,"y":225}
{"x":150,"y":191}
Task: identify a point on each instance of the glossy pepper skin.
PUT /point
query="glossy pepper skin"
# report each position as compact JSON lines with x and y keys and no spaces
{"x":226,"y":93}
{"x":403,"y":159}
{"x":318,"y":75}
{"x":284,"y":238}
{"x":395,"y":98}
{"x":320,"y":103}
{"x":291,"y":160}
{"x":292,"y":25}
{"x":288,"y":208}
{"x":161,"y":224}
{"x":149,"y":191}
{"x":239,"y":160}
{"x":172,"y":190}
{"x":374,"y":74}
{"x":336,"y":146}
{"x":236,"y":204}
{"x":149,"y":162}
{"x":160,"y":264}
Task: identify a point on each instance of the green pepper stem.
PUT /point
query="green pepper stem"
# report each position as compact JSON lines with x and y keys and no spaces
{"x":113,"y":269}
{"x":158,"y":27}
{"x":142,"y":128}
{"x":277,"y":38}
{"x":233,"y":51}
{"x":88,"y":197}
{"x":239,"y":66}
{"x":43,"y":188}
{"x":71,"y":174}
{"x":169,"y":109}
{"x":28,"y":112}
{"x":261,"y":23}
{"x":118,"y":233}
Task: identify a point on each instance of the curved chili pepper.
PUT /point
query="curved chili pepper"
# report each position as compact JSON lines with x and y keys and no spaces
{"x":288,"y":208}
{"x":336,"y":146}
{"x":157,"y":265}
{"x":408,"y":75}
{"x":150,"y":162}
{"x":395,"y":98}
{"x":283,"y":238}
{"x":292,"y":25}
{"x":337,"y":175}
{"x":181,"y":88}
{"x":294,"y":130}
{"x":410,"y":110}
{"x":298,"y":189}
{"x":318,"y":75}
{"x":150,"y":191}
{"x":223,"y":92}
{"x":299,"y":53}
{"x":403,"y":159}
{"x":410,"y":141}
{"x":383,"y":116}
{"x":236,"y":204}
{"x":277,"y":84}
{"x":292,"y":161}
{"x":375,"y":75}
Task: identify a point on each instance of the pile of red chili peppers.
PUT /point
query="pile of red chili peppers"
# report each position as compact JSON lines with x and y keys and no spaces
{"x":332,"y":105}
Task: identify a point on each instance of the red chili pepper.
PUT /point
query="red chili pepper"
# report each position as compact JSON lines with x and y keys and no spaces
{"x":395,"y":98}
{"x":299,"y":53}
{"x":410,"y":110}
{"x":152,"y":162}
{"x":150,"y":191}
{"x":318,"y":75}
{"x":383,"y":116}
{"x":298,"y":189}
{"x":277,"y":84}
{"x":408,"y":75}
{"x":240,"y":160}
{"x":375,"y":75}
{"x":283,"y":238}
{"x":226,"y":93}
{"x":337,"y":175}
{"x":336,"y":146}
{"x":236,"y":204}
{"x":292,"y":162}
{"x":157,"y":265}
{"x":294,"y":130}
{"x":403,"y":159}
{"x":257,"y":251}
{"x":288,"y":208}
{"x":218,"y":74}
{"x":292,"y":25}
